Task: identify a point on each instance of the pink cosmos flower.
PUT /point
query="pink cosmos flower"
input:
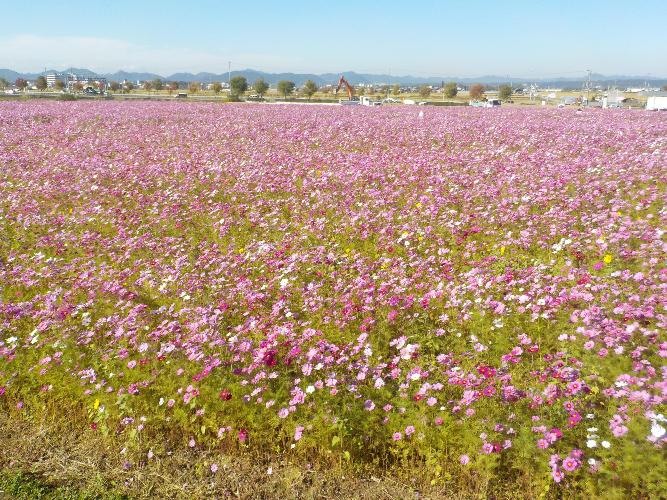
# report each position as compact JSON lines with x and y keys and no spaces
{"x":570,"y":464}
{"x":397,"y":436}
{"x":298,"y":432}
{"x":464,"y":459}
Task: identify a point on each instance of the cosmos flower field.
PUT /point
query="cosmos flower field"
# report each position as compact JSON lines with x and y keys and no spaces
{"x":471,"y":289}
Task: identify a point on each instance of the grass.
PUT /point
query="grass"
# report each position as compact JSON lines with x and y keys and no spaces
{"x":45,"y":455}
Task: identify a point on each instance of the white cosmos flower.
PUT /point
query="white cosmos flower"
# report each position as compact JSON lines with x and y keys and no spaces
{"x":606,"y":444}
{"x":591,"y":443}
{"x":657,"y":430}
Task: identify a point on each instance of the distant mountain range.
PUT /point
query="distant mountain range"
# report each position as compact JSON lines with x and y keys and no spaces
{"x":353,"y":77}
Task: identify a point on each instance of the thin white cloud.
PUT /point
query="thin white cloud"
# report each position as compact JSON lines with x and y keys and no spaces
{"x":29,"y":53}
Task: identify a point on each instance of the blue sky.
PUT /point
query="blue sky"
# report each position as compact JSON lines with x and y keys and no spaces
{"x":439,"y":38}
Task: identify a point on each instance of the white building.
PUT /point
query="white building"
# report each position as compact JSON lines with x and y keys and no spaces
{"x":52,"y":78}
{"x":657,"y":102}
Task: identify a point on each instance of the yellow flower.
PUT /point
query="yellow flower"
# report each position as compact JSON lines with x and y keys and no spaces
{"x":419,"y":204}
{"x":96,"y":404}
{"x":607,"y":259}
{"x":502,"y":250}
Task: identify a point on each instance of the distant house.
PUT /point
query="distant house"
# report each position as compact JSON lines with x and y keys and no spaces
{"x":657,"y":101}
{"x":92,"y":81}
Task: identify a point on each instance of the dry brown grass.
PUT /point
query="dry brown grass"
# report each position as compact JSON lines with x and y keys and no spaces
{"x":59,"y":453}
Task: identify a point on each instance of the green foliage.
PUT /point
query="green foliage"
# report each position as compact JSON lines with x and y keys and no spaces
{"x":396,"y":89}
{"x":285,"y":87}
{"x":260,"y":87}
{"x":217,"y":87}
{"x":40,"y":83}
{"x":194,"y":87}
{"x":505,"y":91}
{"x":424,"y":91}
{"x":238,"y":85}
{"x":21,"y":485}
{"x":67,"y":97}
{"x":157,"y":84}
{"x":309,"y":88}
{"x":451,"y":90}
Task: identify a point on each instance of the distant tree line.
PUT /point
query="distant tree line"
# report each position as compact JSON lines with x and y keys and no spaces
{"x":239,"y":85}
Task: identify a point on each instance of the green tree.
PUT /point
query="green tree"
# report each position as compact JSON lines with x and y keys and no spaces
{"x":238,"y":85}
{"x":424,"y":91}
{"x":285,"y":87}
{"x":505,"y":91}
{"x":194,"y":87}
{"x":41,"y":83}
{"x":396,"y":89}
{"x":158,"y":84}
{"x":3,"y":83}
{"x":309,"y":88}
{"x":260,"y":87}
{"x":114,"y":86}
{"x":217,"y":87}
{"x":451,"y":90}
{"x":148,"y":85}
{"x":129,"y":87}
{"x":476,"y":91}
{"x":59,"y":85}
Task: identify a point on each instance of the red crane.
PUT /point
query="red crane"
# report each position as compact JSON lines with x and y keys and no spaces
{"x":350,"y":90}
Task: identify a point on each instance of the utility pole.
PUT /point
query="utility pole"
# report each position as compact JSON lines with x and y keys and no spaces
{"x":588,"y":88}
{"x":229,"y":74}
